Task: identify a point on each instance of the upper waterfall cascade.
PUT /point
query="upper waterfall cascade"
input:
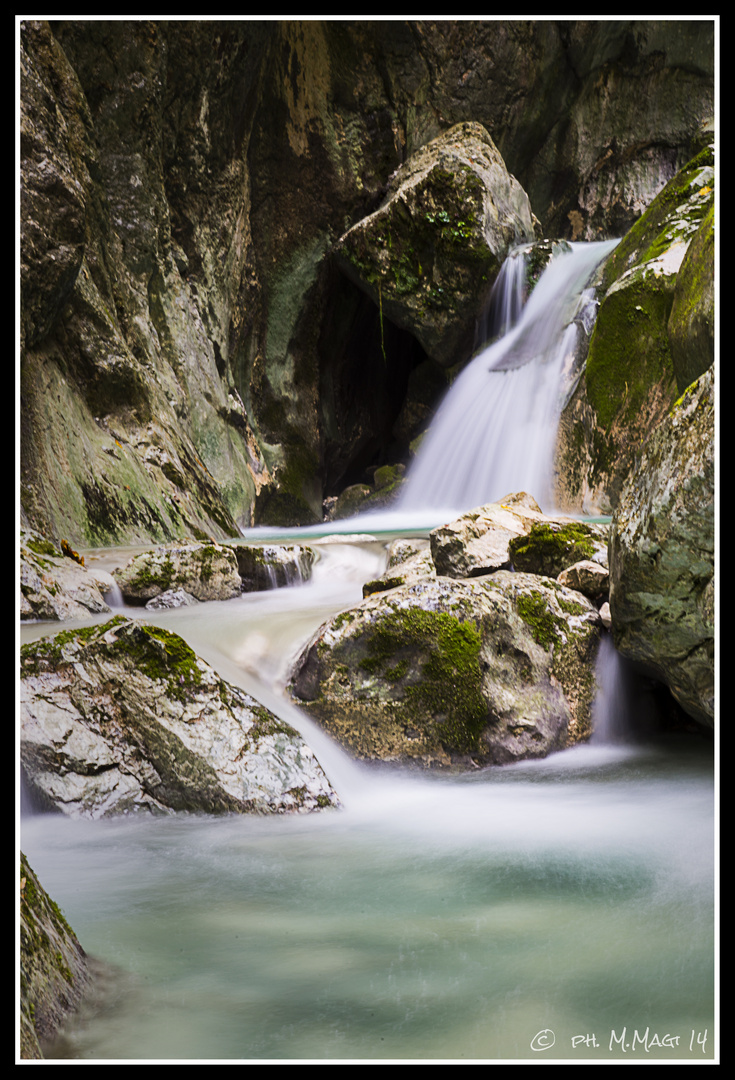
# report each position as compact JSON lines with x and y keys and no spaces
{"x":495,"y":431}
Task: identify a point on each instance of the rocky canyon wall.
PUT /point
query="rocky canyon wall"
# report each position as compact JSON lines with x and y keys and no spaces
{"x":194,"y":357}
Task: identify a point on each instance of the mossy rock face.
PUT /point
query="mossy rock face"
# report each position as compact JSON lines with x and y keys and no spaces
{"x":662,"y":543}
{"x":125,"y":718}
{"x":657,"y":284}
{"x":444,"y":673}
{"x":691,"y":325}
{"x":430,"y":254}
{"x":54,"y":972}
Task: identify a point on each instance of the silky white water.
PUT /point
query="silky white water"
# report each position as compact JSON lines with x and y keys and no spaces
{"x":496,"y":429}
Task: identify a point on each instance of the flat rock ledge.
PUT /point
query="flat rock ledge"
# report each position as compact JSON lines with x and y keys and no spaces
{"x":124,"y":717}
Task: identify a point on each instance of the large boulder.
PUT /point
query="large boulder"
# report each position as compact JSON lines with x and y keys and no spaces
{"x":204,"y":571}
{"x":54,"y":971}
{"x":662,"y":555}
{"x":124,"y":717}
{"x":446,"y":672}
{"x":656,"y":291}
{"x":429,"y":255}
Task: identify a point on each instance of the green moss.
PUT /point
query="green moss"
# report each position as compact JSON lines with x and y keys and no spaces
{"x":40,"y":546}
{"x":162,"y":576}
{"x":381,"y":585}
{"x":535,"y":612}
{"x":549,"y":549}
{"x":449,"y":687}
{"x":163,"y":656}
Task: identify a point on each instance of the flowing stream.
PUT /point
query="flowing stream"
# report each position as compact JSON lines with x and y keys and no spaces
{"x":554,"y":910}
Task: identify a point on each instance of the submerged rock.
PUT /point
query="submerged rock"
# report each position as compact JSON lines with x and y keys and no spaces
{"x":662,"y":555}
{"x":53,"y":966}
{"x":54,"y":585}
{"x":124,"y":717}
{"x":204,"y":571}
{"x":445,"y":672}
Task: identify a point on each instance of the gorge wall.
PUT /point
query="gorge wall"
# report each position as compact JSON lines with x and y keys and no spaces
{"x":194,"y":358}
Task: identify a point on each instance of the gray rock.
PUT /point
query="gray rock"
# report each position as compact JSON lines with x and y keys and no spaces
{"x":124,"y":717}
{"x":409,"y":561}
{"x":55,"y":586}
{"x":429,"y":255}
{"x":662,"y":555}
{"x":172,"y":598}
{"x":205,"y":571}
{"x":588,"y":577}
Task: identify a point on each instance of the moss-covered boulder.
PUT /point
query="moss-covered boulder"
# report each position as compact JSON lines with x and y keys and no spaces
{"x":662,"y":555}
{"x":383,"y":491}
{"x":54,"y":972}
{"x":429,"y":255}
{"x":124,"y":717}
{"x":445,"y":672}
{"x":204,"y":571}
{"x":639,"y":357}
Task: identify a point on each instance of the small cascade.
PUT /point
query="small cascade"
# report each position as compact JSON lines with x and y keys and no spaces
{"x":614,"y":703}
{"x":506,"y":299}
{"x":496,"y":429}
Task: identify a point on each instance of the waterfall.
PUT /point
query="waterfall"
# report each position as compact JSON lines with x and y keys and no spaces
{"x":613,"y":704}
{"x":495,"y":431}
{"x":506,"y":299}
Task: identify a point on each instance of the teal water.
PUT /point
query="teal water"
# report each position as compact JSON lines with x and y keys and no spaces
{"x":430,"y":920}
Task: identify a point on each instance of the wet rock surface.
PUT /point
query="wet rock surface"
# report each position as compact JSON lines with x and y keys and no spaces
{"x":662,"y":544}
{"x":124,"y":718}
